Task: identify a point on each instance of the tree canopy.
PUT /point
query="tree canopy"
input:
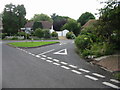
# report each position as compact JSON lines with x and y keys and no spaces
{"x":41,"y":17}
{"x":13,"y":18}
{"x":58,"y":21}
{"x":72,"y":26}
{"x":85,"y":17}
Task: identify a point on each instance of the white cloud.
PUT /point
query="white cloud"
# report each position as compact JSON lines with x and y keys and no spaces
{"x":71,"y":8}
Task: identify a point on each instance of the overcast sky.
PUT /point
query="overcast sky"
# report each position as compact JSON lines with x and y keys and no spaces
{"x":70,"y":8}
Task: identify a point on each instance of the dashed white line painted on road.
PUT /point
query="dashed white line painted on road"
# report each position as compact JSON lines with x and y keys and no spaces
{"x":33,"y":54}
{"x":75,"y":71}
{"x":55,"y":60}
{"x":111,"y":85}
{"x":73,"y":66}
{"x":56,"y":64}
{"x":49,"y":57}
{"x":90,"y":77}
{"x":43,"y":58}
{"x":84,"y":70}
{"x":98,"y":75}
{"x":37,"y":56}
{"x":46,"y":52}
{"x":44,"y":55}
{"x":64,"y":63}
{"x":29,"y":53}
{"x":65,"y":67}
{"x":113,"y":80}
{"x":49,"y":61}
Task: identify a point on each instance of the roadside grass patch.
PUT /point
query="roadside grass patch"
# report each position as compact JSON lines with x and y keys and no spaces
{"x":31,"y":44}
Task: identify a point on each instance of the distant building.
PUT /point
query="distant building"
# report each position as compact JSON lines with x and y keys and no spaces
{"x":89,"y":23}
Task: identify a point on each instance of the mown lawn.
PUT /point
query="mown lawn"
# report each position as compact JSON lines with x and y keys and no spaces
{"x":31,"y":44}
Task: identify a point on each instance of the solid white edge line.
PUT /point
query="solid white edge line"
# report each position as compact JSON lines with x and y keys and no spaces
{"x":84,"y":70}
{"x":113,"y":80}
{"x":90,"y":77}
{"x":56,"y":63}
{"x":111,"y":85}
{"x":75,"y":71}
{"x":65,"y":67}
{"x":98,"y":75}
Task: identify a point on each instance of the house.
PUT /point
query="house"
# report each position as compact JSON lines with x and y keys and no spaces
{"x":46,"y":24}
{"x":89,"y":23}
{"x":1,"y":26}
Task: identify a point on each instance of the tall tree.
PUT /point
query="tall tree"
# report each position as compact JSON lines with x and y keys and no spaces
{"x":21,"y":13}
{"x":85,"y":17}
{"x":72,"y":26}
{"x":13,"y":18}
{"x":109,"y":25}
{"x":58,"y":21}
{"x":41,"y":17}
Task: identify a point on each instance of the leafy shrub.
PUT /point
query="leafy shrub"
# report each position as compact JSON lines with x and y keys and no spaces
{"x":46,"y":33}
{"x":82,"y":42}
{"x":14,"y":38}
{"x":70,"y":35}
{"x":39,"y":33}
{"x":54,"y":34}
{"x":21,"y":33}
{"x":100,"y":49}
{"x":2,"y":35}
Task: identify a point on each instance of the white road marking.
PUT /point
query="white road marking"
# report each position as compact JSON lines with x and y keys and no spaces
{"x":84,"y":70}
{"x":64,"y":63}
{"x":111,"y":85}
{"x":46,"y":52}
{"x":49,"y":61}
{"x":99,"y":75}
{"x":56,"y":64}
{"x":73,"y":66}
{"x":55,"y":60}
{"x":29,"y":53}
{"x":43,"y":58}
{"x":44,"y":55}
{"x":90,"y":77}
{"x":33,"y":54}
{"x":61,"y":52}
{"x":49,"y":57}
{"x":76,"y":71}
{"x":62,"y":43}
{"x":65,"y":67}
{"x":37,"y":56}
{"x":113,"y":80}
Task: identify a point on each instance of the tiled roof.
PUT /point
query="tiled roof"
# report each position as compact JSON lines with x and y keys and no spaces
{"x":29,"y":24}
{"x":90,"y":22}
{"x":46,"y":24}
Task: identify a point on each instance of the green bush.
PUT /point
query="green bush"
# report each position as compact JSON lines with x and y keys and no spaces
{"x":54,"y":34}
{"x":83,"y":42}
{"x":2,"y":35}
{"x":39,"y":33}
{"x":70,"y":35}
{"x":100,"y":49}
{"x":46,"y":33}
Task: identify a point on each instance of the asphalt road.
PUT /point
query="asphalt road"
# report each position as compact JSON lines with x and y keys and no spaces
{"x":53,"y":66}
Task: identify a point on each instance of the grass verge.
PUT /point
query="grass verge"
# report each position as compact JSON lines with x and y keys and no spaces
{"x":31,"y":44}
